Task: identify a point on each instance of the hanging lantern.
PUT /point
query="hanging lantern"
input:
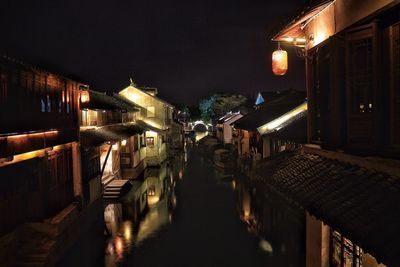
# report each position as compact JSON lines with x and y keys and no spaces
{"x":85,"y":98}
{"x":279,"y":61}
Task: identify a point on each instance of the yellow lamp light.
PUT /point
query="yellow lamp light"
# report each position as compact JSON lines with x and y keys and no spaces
{"x":85,"y":98}
{"x":279,"y":62}
{"x":115,"y":147}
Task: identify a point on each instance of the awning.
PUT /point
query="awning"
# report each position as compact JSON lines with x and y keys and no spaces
{"x":150,"y":127}
{"x":295,"y":28}
{"x":363,"y":204}
{"x":102,"y":101}
{"x":112,"y":133}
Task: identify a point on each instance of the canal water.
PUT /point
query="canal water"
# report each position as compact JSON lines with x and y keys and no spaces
{"x":187,"y":213}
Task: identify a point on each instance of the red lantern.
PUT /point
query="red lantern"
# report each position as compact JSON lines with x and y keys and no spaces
{"x":279,"y":62}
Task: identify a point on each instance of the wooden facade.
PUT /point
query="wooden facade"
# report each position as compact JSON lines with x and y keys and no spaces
{"x":353,"y":88}
{"x":40,"y":105}
{"x":38,"y":137}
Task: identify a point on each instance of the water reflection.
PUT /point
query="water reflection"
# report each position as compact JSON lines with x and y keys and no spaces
{"x":200,"y":135}
{"x":145,"y":209}
{"x":279,"y":225}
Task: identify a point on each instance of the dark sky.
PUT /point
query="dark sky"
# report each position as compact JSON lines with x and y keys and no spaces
{"x":187,"y":49}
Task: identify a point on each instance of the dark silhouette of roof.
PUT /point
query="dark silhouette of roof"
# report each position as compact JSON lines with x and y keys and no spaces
{"x":111,"y":133}
{"x":363,"y":204}
{"x":294,"y":130}
{"x":275,"y":105}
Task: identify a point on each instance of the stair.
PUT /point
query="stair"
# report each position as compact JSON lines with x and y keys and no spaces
{"x":115,"y":189}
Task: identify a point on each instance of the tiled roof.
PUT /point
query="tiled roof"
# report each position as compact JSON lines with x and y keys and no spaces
{"x":102,"y":101}
{"x":363,"y":204}
{"x":271,"y":110}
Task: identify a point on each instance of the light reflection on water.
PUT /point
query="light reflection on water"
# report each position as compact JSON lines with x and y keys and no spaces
{"x":277,"y":226}
{"x":144,"y":211}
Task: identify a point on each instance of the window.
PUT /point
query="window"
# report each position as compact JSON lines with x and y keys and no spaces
{"x":150,"y":141}
{"x":68,"y":101}
{"x":42,"y":105}
{"x":343,"y":252}
{"x":151,"y":112}
{"x":361,"y":75}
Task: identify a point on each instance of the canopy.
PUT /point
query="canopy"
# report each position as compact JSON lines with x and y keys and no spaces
{"x":112,"y":133}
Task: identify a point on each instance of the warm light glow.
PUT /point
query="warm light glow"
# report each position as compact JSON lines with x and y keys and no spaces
{"x":288,"y":39}
{"x":128,"y":231}
{"x":32,"y":134}
{"x":152,"y":200}
{"x":273,"y":125}
{"x":115,"y":146}
{"x":85,"y":98}
{"x":119,"y":245}
{"x":151,"y":133}
{"x":300,"y":40}
{"x":319,"y":37}
{"x":265,"y":246}
{"x":279,"y":62}
{"x":123,"y":143}
{"x":25,"y":156}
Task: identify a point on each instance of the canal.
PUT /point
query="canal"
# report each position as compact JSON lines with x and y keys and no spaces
{"x":187,"y":213}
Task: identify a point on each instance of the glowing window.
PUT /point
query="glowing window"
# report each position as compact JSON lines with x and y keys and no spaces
{"x":150,"y":141}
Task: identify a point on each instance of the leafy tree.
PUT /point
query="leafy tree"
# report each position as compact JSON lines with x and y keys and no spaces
{"x":206,"y":108}
{"x":218,"y":105}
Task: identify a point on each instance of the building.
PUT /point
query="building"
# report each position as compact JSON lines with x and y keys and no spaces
{"x":110,"y":141}
{"x":40,"y":165}
{"x":156,"y":116}
{"x":224,"y":128}
{"x":346,"y":177}
{"x":274,"y":126}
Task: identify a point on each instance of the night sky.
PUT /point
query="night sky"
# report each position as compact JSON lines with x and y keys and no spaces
{"x":187,"y":49}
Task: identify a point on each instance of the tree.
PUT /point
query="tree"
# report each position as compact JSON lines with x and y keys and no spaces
{"x":218,"y":105}
{"x":206,"y":108}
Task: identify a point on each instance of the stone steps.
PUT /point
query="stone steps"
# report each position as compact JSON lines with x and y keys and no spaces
{"x":115,"y":189}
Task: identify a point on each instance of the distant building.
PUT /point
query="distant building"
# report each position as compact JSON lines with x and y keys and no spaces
{"x":224,"y":128}
{"x":156,"y":116}
{"x":274,"y":126}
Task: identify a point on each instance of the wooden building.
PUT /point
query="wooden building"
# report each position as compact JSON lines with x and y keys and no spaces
{"x":352,"y":55}
{"x":108,"y":134}
{"x":39,"y":161}
{"x":156,"y":116}
{"x":273,"y":126}
{"x":40,"y":165}
{"x":352,"y":60}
